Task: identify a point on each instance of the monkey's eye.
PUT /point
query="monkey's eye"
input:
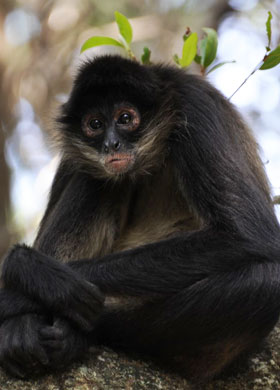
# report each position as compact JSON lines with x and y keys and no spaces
{"x":125,"y":118}
{"x":92,"y":126}
{"x":95,"y":124}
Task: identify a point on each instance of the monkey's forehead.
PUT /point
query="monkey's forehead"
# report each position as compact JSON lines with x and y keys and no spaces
{"x":100,"y":70}
{"x":115,"y":76}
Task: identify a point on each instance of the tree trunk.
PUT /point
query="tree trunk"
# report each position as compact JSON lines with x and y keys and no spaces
{"x":4,"y":176}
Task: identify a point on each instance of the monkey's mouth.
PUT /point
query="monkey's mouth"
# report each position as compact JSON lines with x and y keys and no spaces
{"x":119,"y":162}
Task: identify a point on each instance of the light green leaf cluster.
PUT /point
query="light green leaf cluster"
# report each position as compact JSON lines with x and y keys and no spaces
{"x":207,"y":52}
{"x":126,"y":34}
{"x":202,"y":51}
{"x":208,"y":45}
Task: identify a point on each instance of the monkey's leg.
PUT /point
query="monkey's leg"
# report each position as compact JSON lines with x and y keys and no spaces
{"x":181,"y":333}
{"x":197,"y":295}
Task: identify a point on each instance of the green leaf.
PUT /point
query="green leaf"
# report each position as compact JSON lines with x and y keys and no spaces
{"x":208,"y":47}
{"x":268,"y":30}
{"x":124,"y":27}
{"x":219,"y":65}
{"x":146,"y":56}
{"x":99,"y":41}
{"x":272,"y":59}
{"x":189,"y":50}
{"x":176,"y":59}
{"x":197,"y":59}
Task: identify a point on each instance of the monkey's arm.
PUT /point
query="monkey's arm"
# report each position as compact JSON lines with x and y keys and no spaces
{"x":46,"y":281}
{"x":13,"y":303}
{"x":62,"y":179}
{"x":74,"y":200}
{"x":24,"y":316}
{"x":31,"y":338}
{"x":52,"y":285}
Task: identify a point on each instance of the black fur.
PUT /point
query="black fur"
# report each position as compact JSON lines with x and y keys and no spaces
{"x":195,"y":299}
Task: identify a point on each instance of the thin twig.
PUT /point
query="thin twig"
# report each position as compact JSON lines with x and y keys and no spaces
{"x":251,"y":74}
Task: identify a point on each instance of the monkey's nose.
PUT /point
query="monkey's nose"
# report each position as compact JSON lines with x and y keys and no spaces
{"x":112,"y":145}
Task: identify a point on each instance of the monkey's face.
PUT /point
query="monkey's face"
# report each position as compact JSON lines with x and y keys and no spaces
{"x":117,"y":118}
{"x":112,"y":132}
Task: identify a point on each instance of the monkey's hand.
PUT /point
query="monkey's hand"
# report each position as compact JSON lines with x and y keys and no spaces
{"x":63,"y":343}
{"x":21,"y":352}
{"x":54,"y":285}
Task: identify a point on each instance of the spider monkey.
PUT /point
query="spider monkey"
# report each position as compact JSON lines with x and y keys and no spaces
{"x":159,"y":236}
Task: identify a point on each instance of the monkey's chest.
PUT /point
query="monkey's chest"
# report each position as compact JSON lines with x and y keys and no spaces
{"x":156,"y":211}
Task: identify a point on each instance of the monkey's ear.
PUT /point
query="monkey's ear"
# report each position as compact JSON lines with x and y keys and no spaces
{"x":62,"y":116}
{"x":70,"y":113}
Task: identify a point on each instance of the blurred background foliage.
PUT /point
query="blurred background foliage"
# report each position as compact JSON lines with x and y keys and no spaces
{"x":40,"y":43}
